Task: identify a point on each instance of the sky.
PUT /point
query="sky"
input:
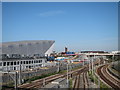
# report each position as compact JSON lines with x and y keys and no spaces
{"x":76,"y":25}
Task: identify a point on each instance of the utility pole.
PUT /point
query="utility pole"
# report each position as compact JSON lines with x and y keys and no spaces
{"x":67,"y":77}
{"x":83,"y":62}
{"x":15,"y":80}
{"x":112,"y":59}
{"x":20,"y":74}
{"x":89,"y":62}
{"x":98,"y":82}
{"x":58,"y":67}
{"x":43,"y":82}
{"x":93,"y":71}
{"x":70,"y":69}
{"x":92,"y":66}
{"x":99,"y":62}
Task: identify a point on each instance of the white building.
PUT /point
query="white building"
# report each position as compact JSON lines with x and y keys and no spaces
{"x":25,"y":54}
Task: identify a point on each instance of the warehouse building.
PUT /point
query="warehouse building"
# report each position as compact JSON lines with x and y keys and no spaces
{"x":25,"y":54}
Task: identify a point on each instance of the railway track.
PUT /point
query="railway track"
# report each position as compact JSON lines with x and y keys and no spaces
{"x":39,"y":83}
{"x":85,"y":80}
{"x":81,"y":80}
{"x":102,"y":72}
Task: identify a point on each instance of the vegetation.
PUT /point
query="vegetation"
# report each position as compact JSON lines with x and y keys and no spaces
{"x":70,"y":83}
{"x":49,"y":74}
{"x":30,"y":79}
{"x":39,"y":77}
{"x":110,"y":58}
{"x":116,"y":66}
{"x":94,"y":79}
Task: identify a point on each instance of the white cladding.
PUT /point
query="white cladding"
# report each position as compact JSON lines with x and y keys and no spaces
{"x":27,"y":47}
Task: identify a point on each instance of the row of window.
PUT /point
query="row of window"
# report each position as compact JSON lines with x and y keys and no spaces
{"x":19,"y":62}
{"x":29,"y":44}
{"x":17,"y":68}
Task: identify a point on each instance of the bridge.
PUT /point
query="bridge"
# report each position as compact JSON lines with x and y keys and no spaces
{"x":95,"y":54}
{"x":101,"y":54}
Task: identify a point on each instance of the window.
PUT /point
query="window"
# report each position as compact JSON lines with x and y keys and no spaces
{"x":0,"y":63}
{"x":18,"y":63}
{"x":21,"y":62}
{"x":26,"y":66}
{"x":8,"y":63}
{"x":11,"y":63}
{"x":14,"y":63}
{"x":24,"y":62}
{"x":37,"y":61}
{"x":29,"y":62}
{"x":4,"y":63}
{"x":41,"y":61}
{"x":14,"y":68}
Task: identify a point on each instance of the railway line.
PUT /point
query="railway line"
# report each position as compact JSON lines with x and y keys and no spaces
{"x":106,"y":77}
{"x":85,"y":79}
{"x":80,"y":73}
{"x":39,"y":83}
{"x":81,"y":81}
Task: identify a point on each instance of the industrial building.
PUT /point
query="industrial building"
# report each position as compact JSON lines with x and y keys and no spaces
{"x":25,"y":54}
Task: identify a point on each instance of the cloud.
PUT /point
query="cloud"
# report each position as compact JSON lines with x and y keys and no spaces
{"x":51,"y":13}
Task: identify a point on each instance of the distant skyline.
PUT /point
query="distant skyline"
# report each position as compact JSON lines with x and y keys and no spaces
{"x":76,"y":25}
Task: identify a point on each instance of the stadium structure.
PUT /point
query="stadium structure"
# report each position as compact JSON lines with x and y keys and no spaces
{"x":25,"y":54}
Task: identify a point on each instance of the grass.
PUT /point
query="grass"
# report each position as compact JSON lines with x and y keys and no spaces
{"x":70,"y":83}
{"x":46,"y":75}
{"x":39,"y":77}
{"x":94,"y":78}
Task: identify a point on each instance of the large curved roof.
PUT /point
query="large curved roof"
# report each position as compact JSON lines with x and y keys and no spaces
{"x":27,"y":47}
